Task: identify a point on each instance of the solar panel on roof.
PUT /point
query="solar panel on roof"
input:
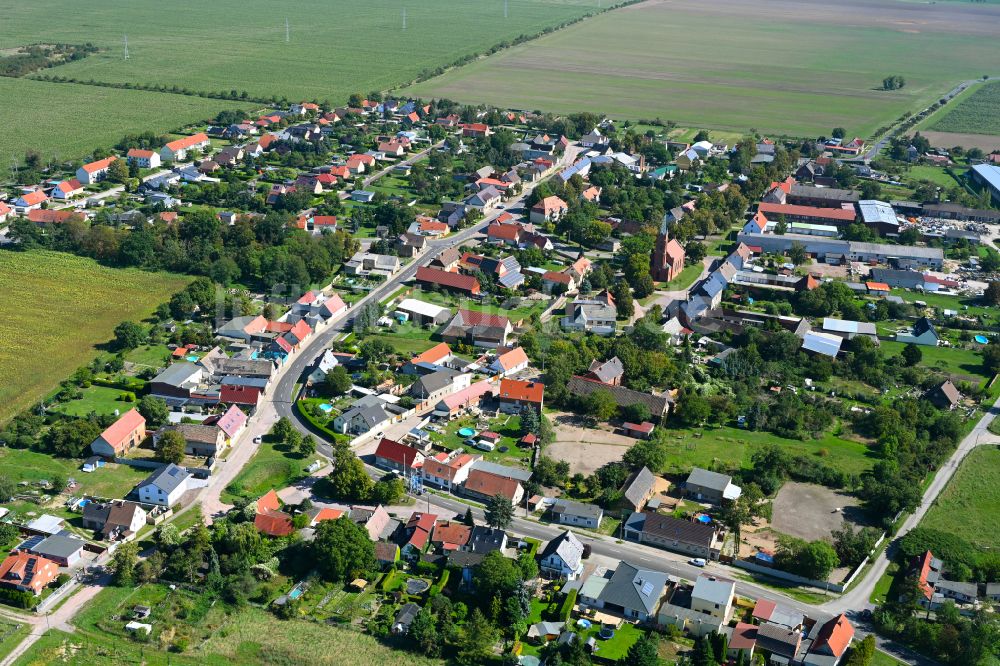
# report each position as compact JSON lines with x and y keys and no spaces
{"x":647,"y":589}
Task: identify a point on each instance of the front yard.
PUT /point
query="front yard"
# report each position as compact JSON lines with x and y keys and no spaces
{"x":272,"y":466}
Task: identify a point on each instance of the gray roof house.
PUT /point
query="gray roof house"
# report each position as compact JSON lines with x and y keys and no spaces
{"x":63,"y":550}
{"x":631,"y":591}
{"x":562,"y":557}
{"x":639,"y":488}
{"x":922,"y":333}
{"x":165,"y":486}
{"x":568,"y":512}
{"x":706,"y":486}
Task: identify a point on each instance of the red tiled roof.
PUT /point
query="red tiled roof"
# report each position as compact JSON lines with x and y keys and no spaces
{"x":69,"y":185}
{"x":14,"y":571}
{"x":513,"y":358}
{"x":763,"y":609}
{"x":837,"y":214}
{"x":549,"y":204}
{"x":836,"y":635}
{"x":99,"y":165}
{"x":744,"y":636}
{"x":421,"y":525}
{"x":239,"y":395}
{"x":477,"y":318}
{"x":48,"y":216}
{"x":487,"y":484}
{"x":120,"y":430}
{"x":433,"y":355}
{"x":187,"y":142}
{"x":644,"y":427}
{"x":33,"y":198}
{"x":273,"y":523}
{"x":139,"y":152}
{"x":301,"y":329}
{"x":446,"y":279}
{"x":407,"y":456}
{"x":877,"y":286}
{"x":327,"y":514}
{"x":555,"y":276}
{"x":450,"y":532}
{"x":324,"y":220}
{"x":269,"y":501}
{"x":514,"y":389}
{"x":509,"y":232}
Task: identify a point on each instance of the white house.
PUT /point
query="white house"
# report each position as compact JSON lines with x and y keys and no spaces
{"x":67,"y":189}
{"x":29,"y":201}
{"x":165,"y":486}
{"x":94,"y":172}
{"x":144,"y":159}
{"x":562,"y":557}
{"x":178,"y":150}
{"x":510,"y":362}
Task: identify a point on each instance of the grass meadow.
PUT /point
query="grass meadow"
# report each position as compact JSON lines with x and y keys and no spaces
{"x":272,"y":466}
{"x":334,"y":48}
{"x":787,"y":67}
{"x":66,"y":121}
{"x":57,"y":308}
{"x":968,"y":505}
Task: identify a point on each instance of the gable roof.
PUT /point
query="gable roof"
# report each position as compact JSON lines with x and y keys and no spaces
{"x":568,"y":547}
{"x":640,"y":487}
{"x":514,"y":389}
{"x":583,"y":386}
{"x":684,"y":531}
{"x":434,"y":355}
{"x":99,"y":165}
{"x":608,"y":371}
{"x":633,"y":588}
{"x":512,"y":358}
{"x":835,"y":636}
{"x":187,"y":142}
{"x":167,"y":478}
{"x":398,"y":453}
{"x":477,"y":318}
{"x":232,"y":421}
{"x":447,"y":279}
{"x":451,"y":534}
{"x":484,"y":483}
{"x":117,"y":432}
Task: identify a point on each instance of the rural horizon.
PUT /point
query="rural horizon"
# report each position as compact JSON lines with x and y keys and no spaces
{"x":500,"y":333}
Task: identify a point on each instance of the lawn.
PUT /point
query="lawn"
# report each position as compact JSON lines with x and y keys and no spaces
{"x":37,"y":117}
{"x":273,"y":466}
{"x":881,"y":590}
{"x":791,"y":67}
{"x":968,"y":505}
{"x":11,"y":633}
{"x":109,"y":481}
{"x":884,"y":659}
{"x":960,"y":363}
{"x":733,"y":446}
{"x":99,"y":399}
{"x":686,"y":277}
{"x":266,"y":60}
{"x":57,"y":309}
{"x":524,"y":309}
{"x":407,"y":339}
{"x":936,"y":175}
{"x":977,"y":112}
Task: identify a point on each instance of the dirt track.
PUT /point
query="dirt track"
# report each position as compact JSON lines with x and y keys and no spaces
{"x":951,"y":139}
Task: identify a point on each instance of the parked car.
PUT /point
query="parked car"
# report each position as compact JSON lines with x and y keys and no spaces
{"x":697,"y":562}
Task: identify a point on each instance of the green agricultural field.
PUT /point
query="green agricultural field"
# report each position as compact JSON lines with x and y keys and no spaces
{"x":65,"y":121}
{"x":968,"y":505}
{"x":976,"y":113}
{"x":798,"y":68}
{"x":333,"y":49}
{"x":57,"y":308}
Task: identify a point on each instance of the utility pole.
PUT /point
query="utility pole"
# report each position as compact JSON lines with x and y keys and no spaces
{"x":125,"y":37}
{"x":288,"y":32}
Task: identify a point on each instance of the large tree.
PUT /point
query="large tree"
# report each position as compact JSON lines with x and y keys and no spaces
{"x":154,"y":410}
{"x":742,"y":511}
{"x":338,"y":381}
{"x":123,"y":563}
{"x":129,"y":335}
{"x":499,"y":512}
{"x":349,"y":480}
{"x":170,"y":447}
{"x":342,"y":550}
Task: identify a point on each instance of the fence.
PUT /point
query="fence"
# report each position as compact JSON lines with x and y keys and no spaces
{"x":56,"y":596}
{"x":820,"y":584}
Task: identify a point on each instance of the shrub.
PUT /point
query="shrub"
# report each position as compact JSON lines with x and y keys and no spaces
{"x":566,"y":610}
